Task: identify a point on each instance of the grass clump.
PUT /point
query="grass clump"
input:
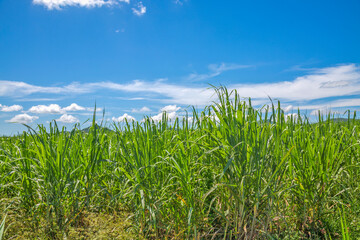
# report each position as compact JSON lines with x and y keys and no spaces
{"x":229,"y":172}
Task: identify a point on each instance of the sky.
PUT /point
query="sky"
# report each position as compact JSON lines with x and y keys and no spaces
{"x":135,"y":58}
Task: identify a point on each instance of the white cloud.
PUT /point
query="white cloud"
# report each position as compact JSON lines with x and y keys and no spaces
{"x":327,"y":82}
{"x":324,"y":111}
{"x":120,"y":30}
{"x":123,"y":117}
{"x":172,"y":93}
{"x":226,"y":67}
{"x":52,"y":108}
{"x":344,"y":103}
{"x":74,"y":107}
{"x":169,"y":115}
{"x":13,"y":108}
{"x":131,"y":98}
{"x":216,"y":70}
{"x":141,"y":110}
{"x":180,"y":2}
{"x":38,"y":99}
{"x":92,"y":109}
{"x":140,"y":10}
{"x":291,"y":115}
{"x":338,"y":81}
{"x":65,"y":118}
{"x":56,"y":109}
{"x":16,"y":89}
{"x":157,"y":117}
{"x":190,"y":119}
{"x":58,"y":4}
{"x":22,"y":118}
{"x":19,"y":89}
{"x":170,"y":108}
{"x":288,"y":108}
{"x":339,"y":103}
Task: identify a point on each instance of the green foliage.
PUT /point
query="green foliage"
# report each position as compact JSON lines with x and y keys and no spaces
{"x":2,"y":228}
{"x":229,"y":172}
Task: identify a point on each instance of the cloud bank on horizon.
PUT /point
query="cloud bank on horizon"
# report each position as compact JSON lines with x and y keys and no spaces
{"x":337,"y":81}
{"x":338,"y":85}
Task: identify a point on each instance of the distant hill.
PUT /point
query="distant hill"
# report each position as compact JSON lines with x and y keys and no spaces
{"x":343,"y":120}
{"x":86,"y":130}
{"x":340,"y":119}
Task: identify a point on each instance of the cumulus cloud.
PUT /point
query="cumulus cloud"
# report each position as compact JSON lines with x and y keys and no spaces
{"x":123,"y":118}
{"x":139,"y":10}
{"x":91,"y":109}
{"x":169,"y":115}
{"x":13,"y":108}
{"x":170,"y":108}
{"x":22,"y":118}
{"x":65,"y":118}
{"x":141,"y":110}
{"x":52,"y":108}
{"x":288,"y":108}
{"x":291,"y":116}
{"x":56,"y":109}
{"x":73,"y":107}
{"x":58,"y":4}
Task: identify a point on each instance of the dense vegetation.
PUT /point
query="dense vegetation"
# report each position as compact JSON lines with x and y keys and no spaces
{"x":229,"y":172}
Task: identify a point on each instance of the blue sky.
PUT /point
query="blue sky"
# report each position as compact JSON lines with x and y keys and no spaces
{"x":135,"y":58}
